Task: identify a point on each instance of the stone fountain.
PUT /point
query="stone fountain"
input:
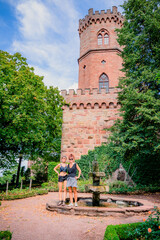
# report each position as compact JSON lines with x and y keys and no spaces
{"x":96,"y":188}
{"x":107,"y":205}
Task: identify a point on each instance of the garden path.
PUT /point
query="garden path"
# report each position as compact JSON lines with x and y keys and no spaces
{"x":28,"y":219}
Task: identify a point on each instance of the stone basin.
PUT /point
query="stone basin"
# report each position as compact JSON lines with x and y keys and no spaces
{"x":98,"y":189}
{"x":137,"y":207}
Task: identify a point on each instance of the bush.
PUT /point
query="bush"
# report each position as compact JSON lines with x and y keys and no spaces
{"x":19,"y":194}
{"x":118,"y":232}
{"x":5,"y":235}
{"x":52,"y":175}
{"x":101,"y":154}
{"x":149,"y":229}
{"x":118,"y":184}
{"x":50,"y":186}
{"x":139,"y":189}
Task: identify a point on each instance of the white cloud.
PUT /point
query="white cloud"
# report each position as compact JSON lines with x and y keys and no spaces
{"x":48,"y":38}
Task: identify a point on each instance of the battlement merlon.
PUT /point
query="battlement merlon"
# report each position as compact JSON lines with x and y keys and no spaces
{"x":91,"y":98}
{"x":99,"y":16}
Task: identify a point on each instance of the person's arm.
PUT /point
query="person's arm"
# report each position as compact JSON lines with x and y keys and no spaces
{"x":79,"y":170}
{"x":55,"y":169}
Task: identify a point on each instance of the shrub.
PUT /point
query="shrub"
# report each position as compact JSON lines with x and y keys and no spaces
{"x":118,"y":184}
{"x":19,"y":194}
{"x":101,"y":154}
{"x":149,"y":229}
{"x":52,"y":175}
{"x":5,"y":235}
{"x":50,"y":186}
{"x":118,"y":232}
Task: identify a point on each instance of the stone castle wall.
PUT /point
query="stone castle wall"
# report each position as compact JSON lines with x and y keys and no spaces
{"x":90,"y":112}
{"x":84,"y":120}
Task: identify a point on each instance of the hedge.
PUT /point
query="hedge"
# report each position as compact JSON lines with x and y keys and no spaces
{"x":22,"y":194}
{"x":5,"y":235}
{"x":118,"y":232}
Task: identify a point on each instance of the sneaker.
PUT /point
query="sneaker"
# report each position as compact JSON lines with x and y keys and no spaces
{"x":59,"y":203}
{"x":76,"y":205}
{"x":70,"y":205}
{"x":63,"y":203}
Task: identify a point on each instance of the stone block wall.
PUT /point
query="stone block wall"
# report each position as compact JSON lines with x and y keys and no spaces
{"x":85,"y":119}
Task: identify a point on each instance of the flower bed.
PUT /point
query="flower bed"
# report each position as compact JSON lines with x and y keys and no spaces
{"x":19,"y":194}
{"x":148,"y":229}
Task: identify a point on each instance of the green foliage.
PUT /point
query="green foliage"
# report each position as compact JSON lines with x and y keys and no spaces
{"x":5,"y":235}
{"x":24,"y":193}
{"x":138,"y":189}
{"x":52,"y":175}
{"x":27,"y":174}
{"x":118,"y":232}
{"x":136,"y":137}
{"x":39,"y":168}
{"x":7,"y":176}
{"x":50,"y":186}
{"x":149,"y":229}
{"x":110,"y":233}
{"x":105,"y":157}
{"x":30,"y":114}
{"x":117,"y":184}
{"x":81,"y":184}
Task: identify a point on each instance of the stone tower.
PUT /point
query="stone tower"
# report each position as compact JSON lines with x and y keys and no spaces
{"x":93,"y":108}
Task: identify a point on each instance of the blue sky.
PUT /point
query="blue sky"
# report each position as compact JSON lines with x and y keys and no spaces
{"x":45,"y":32}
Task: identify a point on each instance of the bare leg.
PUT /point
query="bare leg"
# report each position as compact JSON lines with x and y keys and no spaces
{"x":75,"y":194}
{"x":65,"y":191}
{"x":60,"y":190}
{"x":70,"y":194}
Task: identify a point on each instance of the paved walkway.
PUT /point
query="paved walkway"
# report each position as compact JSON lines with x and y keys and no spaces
{"x":29,"y":220}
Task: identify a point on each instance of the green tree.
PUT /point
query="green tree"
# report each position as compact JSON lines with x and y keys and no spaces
{"x":137,"y":136}
{"x":30,"y":114}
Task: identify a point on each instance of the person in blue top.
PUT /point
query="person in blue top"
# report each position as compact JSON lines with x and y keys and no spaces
{"x":62,"y":180}
{"x":72,"y":179}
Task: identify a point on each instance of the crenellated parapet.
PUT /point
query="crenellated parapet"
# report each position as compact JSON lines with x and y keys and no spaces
{"x":93,"y":18}
{"x":90,"y":98}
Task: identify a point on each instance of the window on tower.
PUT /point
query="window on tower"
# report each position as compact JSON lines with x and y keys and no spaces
{"x":103,"y":37}
{"x":106,"y":39}
{"x":99,"y":39}
{"x":104,"y":82}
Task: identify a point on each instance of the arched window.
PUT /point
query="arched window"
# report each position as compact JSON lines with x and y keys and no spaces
{"x":106,"y":39}
{"x":104,"y":82}
{"x":99,"y":39}
{"x":103,"y":37}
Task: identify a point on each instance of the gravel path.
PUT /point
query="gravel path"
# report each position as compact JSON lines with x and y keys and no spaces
{"x":28,"y":219}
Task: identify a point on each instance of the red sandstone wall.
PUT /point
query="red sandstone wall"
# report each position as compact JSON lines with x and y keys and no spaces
{"x":86,"y":118}
{"x":89,"y":77}
{"x":91,"y":54}
{"x":90,"y":112}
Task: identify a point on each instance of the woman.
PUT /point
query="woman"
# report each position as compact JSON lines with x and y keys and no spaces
{"x":62,"y":179}
{"x":72,"y":179}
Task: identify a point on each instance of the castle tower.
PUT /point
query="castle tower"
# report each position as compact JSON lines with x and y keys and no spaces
{"x":99,"y":63}
{"x":93,"y":108}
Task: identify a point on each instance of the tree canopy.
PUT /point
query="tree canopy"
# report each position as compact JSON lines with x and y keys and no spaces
{"x":30,"y":114}
{"x":137,"y":136}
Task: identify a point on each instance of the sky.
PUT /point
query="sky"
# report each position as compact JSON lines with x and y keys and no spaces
{"x":45,"y":32}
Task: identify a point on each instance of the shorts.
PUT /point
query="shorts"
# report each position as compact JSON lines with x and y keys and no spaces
{"x":71,"y":182}
{"x":62,"y":178}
